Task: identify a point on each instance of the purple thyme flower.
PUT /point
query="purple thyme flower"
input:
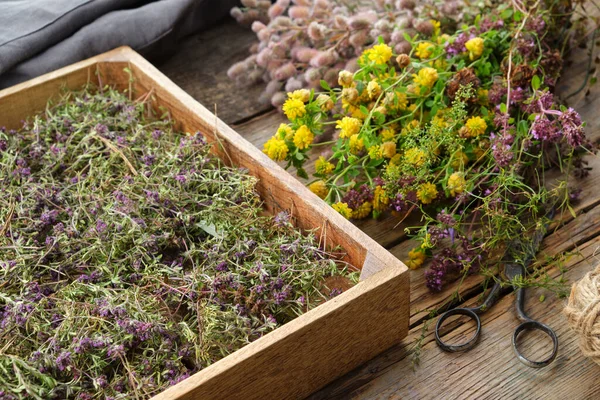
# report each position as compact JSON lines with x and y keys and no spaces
{"x":572,"y":127}
{"x":101,"y":226}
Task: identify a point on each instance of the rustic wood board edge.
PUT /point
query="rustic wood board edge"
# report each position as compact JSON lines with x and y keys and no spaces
{"x":313,"y":349}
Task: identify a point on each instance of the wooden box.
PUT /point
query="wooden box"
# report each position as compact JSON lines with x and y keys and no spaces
{"x":315,"y":348}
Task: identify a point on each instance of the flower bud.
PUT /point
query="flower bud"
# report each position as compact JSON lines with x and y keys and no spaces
{"x":275,"y":11}
{"x":254,"y":48}
{"x":407,"y":4}
{"x":236,"y":13}
{"x":263,"y":4}
{"x":316,"y":31}
{"x":264,"y":35}
{"x":324,"y":58}
{"x":350,"y":95}
{"x":284,"y":72}
{"x":293,"y":84}
{"x":330,"y":76}
{"x":306,"y":3}
{"x":312,"y":75}
{"x":383,"y":25}
{"x":237,"y":69}
{"x":339,"y":21}
{"x":424,"y":27}
{"x":249,"y":3}
{"x":324,"y":4}
{"x":352,"y":65}
{"x":299,"y":12}
{"x":325,"y":102}
{"x":403,"y":47}
{"x":278,"y":99}
{"x":358,"y":39}
{"x":345,"y":78}
{"x":263,"y":58}
{"x":359,"y":22}
{"x":258,"y":26}
{"x":303,"y":54}
{"x":403,"y":60}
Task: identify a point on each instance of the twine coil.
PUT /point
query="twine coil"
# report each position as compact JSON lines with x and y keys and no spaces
{"x":583,"y":313}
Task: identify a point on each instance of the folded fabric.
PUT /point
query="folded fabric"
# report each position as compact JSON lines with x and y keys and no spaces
{"x":38,"y":36}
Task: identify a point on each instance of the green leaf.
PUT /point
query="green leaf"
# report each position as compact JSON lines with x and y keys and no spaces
{"x":573,"y":214}
{"x":301,"y":173}
{"x":506,"y":14}
{"x":503,"y":109}
{"x":536,"y":82}
{"x":325,"y":85}
{"x":299,"y":156}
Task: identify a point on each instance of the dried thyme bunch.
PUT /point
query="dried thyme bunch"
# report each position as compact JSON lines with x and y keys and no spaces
{"x":131,"y":258}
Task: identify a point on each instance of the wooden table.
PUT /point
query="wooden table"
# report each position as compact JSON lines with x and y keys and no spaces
{"x":490,"y":370}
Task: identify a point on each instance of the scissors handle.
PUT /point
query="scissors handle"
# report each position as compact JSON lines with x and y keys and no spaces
{"x":469,"y":312}
{"x":472,"y":313}
{"x":530,"y":325}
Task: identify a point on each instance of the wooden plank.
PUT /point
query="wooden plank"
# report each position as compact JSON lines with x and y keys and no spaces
{"x":200,"y":68}
{"x":310,"y":347}
{"x":491,"y":370}
{"x":580,"y":235}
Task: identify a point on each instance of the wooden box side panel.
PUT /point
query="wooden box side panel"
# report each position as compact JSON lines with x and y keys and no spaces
{"x":301,"y":358}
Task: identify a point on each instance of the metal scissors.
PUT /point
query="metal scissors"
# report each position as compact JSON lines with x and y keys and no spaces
{"x":512,"y":269}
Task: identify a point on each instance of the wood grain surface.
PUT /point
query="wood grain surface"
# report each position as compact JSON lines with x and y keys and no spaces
{"x":490,"y":370}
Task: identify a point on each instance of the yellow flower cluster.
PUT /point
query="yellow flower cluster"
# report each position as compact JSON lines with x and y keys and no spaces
{"x":343,"y":209}
{"x":426,"y":77}
{"x":475,"y":48}
{"x":415,"y":157}
{"x":294,"y":108}
{"x":303,"y":137}
{"x":380,"y":199}
{"x":424,"y":50}
{"x":363,"y":211}
{"x":416,"y":258}
{"x":348,"y":126}
{"x":323,"y":167}
{"x":276,"y":149}
{"x":457,"y":183}
{"x":387,"y":134}
{"x":427,"y":193}
{"x":301,"y":94}
{"x":356,"y":145}
{"x":475,"y":126}
{"x":345,"y":79}
{"x":285,"y":132}
{"x":319,"y":188}
{"x":379,"y":54}
{"x":373,"y":90}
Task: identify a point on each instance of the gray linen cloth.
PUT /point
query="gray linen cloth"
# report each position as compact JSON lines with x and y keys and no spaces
{"x":38,"y":36}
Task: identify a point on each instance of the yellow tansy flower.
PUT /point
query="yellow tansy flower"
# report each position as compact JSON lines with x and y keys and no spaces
{"x":475,"y":48}
{"x":294,"y":108}
{"x":363,"y":211}
{"x":300,"y":94}
{"x":424,"y":50}
{"x":426,"y":77}
{"x":356,"y":145}
{"x":475,"y":126}
{"x":380,"y":199}
{"x":415,"y":157}
{"x":319,"y":188}
{"x":482,"y":95}
{"x":276,"y":149}
{"x":437,"y":26}
{"x":323,"y":167}
{"x":457,"y":183}
{"x":416,"y":258}
{"x":379,"y":54}
{"x":348,"y":126}
{"x":303,"y":137}
{"x":388,"y":149}
{"x":285,"y":132}
{"x":427,"y":193}
{"x":343,"y":209}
